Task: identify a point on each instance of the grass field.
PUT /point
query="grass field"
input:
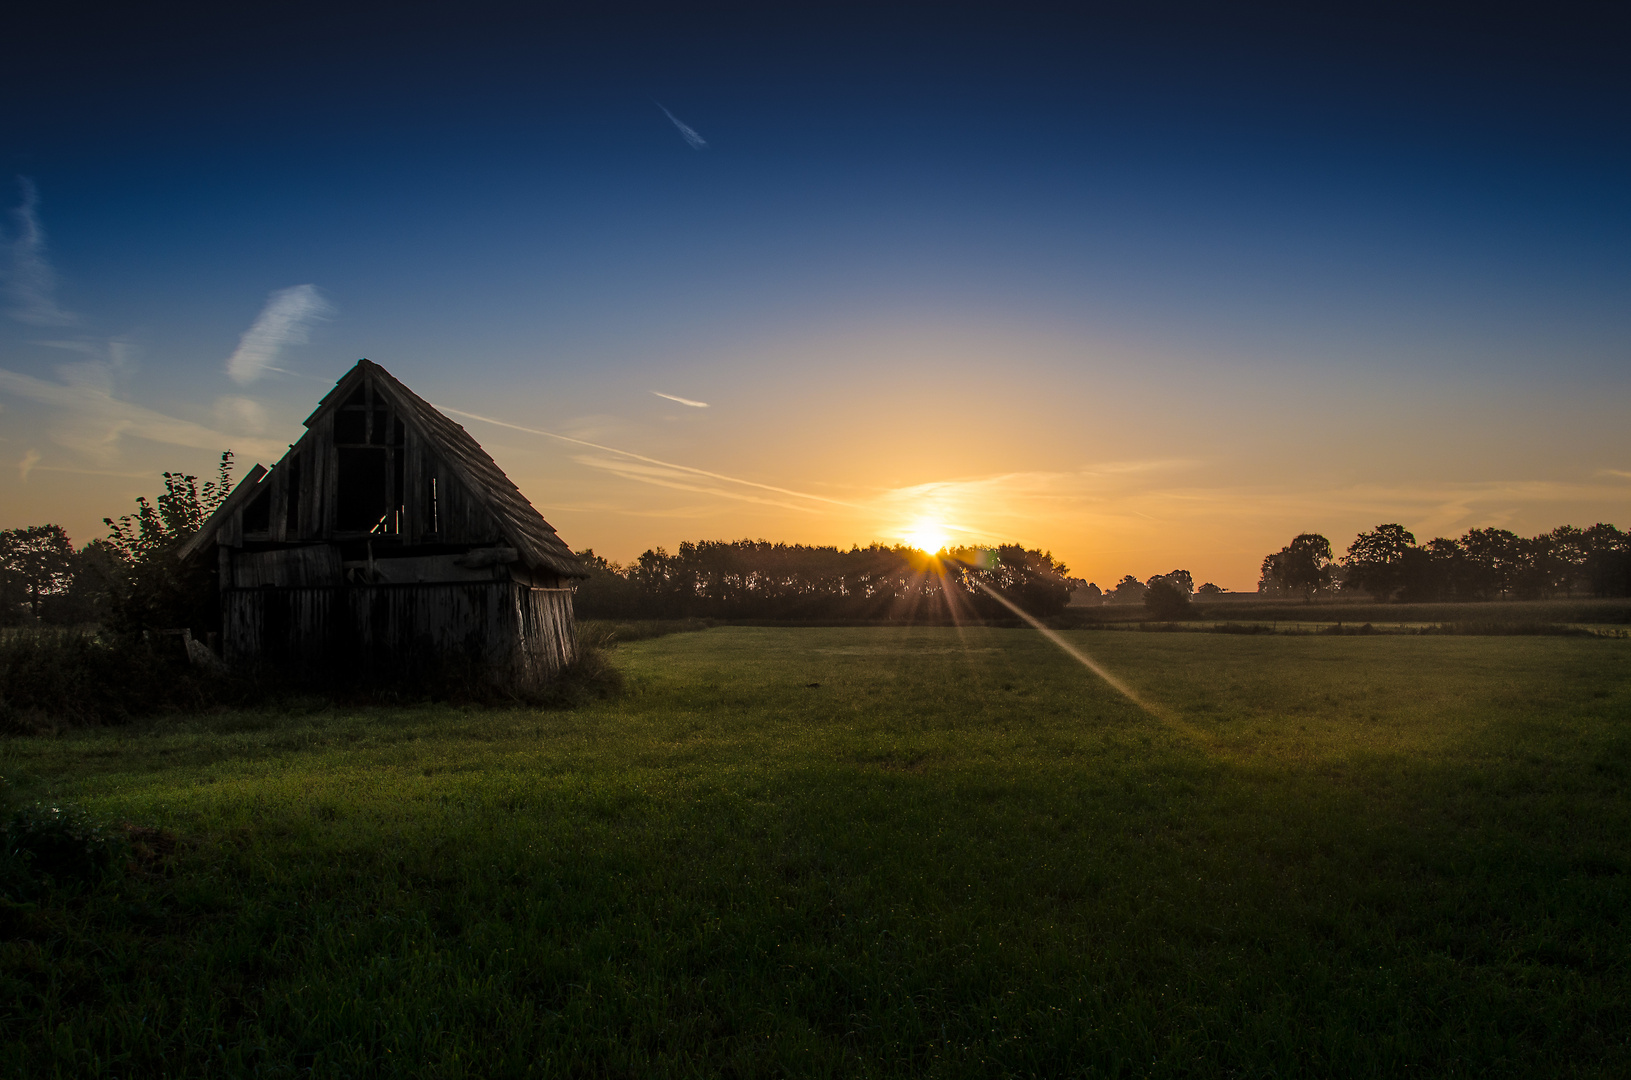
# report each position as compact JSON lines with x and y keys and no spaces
{"x":869,"y":852}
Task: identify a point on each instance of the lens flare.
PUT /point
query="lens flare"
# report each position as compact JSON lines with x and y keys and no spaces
{"x":928,"y":536}
{"x":1070,"y":650}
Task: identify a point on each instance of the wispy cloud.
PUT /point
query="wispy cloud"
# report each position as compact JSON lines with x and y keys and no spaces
{"x":692,"y":139}
{"x":26,"y":466}
{"x":28,"y":281}
{"x":285,"y":320}
{"x":681,"y":400}
{"x":93,"y":421}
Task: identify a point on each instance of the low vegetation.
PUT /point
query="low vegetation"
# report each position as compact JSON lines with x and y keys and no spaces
{"x":865,"y":851}
{"x":57,"y":680}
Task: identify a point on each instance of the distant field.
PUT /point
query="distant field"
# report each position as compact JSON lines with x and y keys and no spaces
{"x":871,"y":851}
{"x":1247,"y":607}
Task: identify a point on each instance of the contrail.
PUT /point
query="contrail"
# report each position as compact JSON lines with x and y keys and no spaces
{"x":1072,"y":651}
{"x":652,"y":460}
{"x":682,"y":400}
{"x":692,"y":139}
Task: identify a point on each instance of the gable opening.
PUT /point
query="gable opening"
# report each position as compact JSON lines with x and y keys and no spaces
{"x":362,"y":494}
{"x":370,"y":465}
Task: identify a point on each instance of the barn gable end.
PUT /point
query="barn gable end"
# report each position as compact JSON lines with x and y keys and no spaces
{"x":386,"y":543}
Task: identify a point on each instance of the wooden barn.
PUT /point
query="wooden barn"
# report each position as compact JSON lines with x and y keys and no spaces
{"x":385,"y":545}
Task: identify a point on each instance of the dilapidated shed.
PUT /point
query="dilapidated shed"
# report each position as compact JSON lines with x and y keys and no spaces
{"x":387,"y":544}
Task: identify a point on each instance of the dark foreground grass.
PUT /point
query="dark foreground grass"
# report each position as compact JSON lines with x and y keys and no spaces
{"x":843,"y":852}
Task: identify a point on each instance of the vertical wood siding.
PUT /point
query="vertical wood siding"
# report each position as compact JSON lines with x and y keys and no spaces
{"x":503,"y":633}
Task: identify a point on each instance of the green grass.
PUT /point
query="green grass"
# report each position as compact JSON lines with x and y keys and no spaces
{"x":960,"y":854}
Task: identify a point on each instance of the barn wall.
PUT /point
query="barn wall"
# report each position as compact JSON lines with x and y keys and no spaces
{"x":548,"y":639}
{"x":501,"y":632}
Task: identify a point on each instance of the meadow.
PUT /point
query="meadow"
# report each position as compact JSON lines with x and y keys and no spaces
{"x":866,"y":852}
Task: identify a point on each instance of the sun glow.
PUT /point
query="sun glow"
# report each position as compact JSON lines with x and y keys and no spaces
{"x":929,"y":536}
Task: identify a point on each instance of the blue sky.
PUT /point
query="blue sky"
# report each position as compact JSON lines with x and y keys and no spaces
{"x":1149,"y":290}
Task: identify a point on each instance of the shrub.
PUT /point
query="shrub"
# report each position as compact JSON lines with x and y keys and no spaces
{"x":51,"y":679}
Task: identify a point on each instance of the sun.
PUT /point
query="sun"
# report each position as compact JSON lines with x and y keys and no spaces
{"x":928,"y":536}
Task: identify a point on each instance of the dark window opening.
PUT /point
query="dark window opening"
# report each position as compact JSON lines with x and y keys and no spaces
{"x":361,"y":496}
{"x":258,"y":514}
{"x":378,"y":427}
{"x":291,"y":498}
{"x":349,"y":426}
{"x":358,"y":398}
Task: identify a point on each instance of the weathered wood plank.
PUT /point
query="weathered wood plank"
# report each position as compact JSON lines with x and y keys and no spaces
{"x":416,"y":485}
{"x":315,"y":565}
{"x":504,"y":634}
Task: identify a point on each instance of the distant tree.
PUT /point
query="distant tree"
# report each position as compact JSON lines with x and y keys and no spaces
{"x":1301,"y":568}
{"x":1436,"y":570}
{"x":1542,"y":567}
{"x":608,"y":592}
{"x":1494,"y":559}
{"x":1088,"y":593}
{"x":36,"y":563}
{"x":1375,"y":560}
{"x":1570,"y":551}
{"x":1179,"y":579}
{"x":1129,"y":590}
{"x":1167,"y":595}
{"x":1209,"y":590}
{"x":1030,"y":578}
{"x":1608,"y":560}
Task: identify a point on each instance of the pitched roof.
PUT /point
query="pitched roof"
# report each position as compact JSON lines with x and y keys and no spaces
{"x":523,"y":526}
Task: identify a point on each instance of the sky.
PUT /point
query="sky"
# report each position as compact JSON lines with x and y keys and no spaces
{"x":1149,"y":286}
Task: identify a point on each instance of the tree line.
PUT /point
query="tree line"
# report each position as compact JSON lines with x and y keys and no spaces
{"x":757,"y":579}
{"x":1484,"y":564}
